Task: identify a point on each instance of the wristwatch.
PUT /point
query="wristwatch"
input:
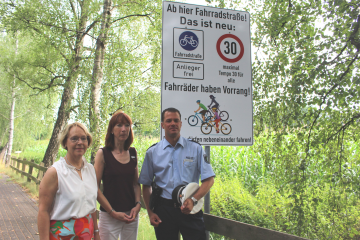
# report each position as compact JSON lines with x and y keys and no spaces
{"x":194,"y":200}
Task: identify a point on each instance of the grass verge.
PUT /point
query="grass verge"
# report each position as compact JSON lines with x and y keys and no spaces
{"x":29,"y":187}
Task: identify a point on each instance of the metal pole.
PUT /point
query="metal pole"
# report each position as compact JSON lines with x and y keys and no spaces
{"x":207,"y":196}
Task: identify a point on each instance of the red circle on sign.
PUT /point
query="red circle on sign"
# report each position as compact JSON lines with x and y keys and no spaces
{"x":222,"y":55}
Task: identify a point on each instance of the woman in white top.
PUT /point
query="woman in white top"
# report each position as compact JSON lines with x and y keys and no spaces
{"x":68,"y":191}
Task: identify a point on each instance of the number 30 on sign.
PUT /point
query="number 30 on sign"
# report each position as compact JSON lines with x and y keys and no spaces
{"x":230,"y":48}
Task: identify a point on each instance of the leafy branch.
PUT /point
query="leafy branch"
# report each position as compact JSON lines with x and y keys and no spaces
{"x":324,"y":99}
{"x":343,"y":127}
{"x":134,"y":15}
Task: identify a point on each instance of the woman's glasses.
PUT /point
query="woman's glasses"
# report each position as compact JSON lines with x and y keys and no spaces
{"x":76,"y":139}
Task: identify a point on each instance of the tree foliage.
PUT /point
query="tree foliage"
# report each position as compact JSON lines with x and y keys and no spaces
{"x":122,"y":22}
{"x":34,"y":111}
{"x":306,"y":99}
{"x":64,"y":34}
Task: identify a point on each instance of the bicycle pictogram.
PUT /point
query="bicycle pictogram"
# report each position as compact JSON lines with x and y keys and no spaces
{"x":188,"y":40}
{"x":207,"y":127}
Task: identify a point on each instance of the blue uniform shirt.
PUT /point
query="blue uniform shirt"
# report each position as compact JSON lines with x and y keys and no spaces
{"x":172,"y":166}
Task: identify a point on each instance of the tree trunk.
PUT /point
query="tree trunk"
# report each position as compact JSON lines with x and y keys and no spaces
{"x":3,"y":153}
{"x":63,"y":116}
{"x":65,"y":107}
{"x":12,"y":112}
{"x":2,"y":137}
{"x":97,"y":78}
{"x":11,"y":131}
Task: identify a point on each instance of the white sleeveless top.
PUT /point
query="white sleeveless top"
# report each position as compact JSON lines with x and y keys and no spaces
{"x":75,"y":197}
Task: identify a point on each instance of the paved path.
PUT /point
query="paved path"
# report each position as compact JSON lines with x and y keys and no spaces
{"x":18,"y":212}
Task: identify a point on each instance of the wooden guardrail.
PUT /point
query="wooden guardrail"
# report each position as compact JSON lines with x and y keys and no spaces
{"x":238,"y":230}
{"x":14,"y":161}
{"x":222,"y":226}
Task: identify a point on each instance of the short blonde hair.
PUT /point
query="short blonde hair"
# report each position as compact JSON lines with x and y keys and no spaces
{"x":64,"y":134}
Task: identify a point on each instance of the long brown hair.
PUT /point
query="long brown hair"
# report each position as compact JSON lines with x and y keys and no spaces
{"x":118,"y":117}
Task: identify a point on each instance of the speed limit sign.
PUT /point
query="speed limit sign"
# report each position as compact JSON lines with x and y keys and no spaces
{"x":230,"y":48}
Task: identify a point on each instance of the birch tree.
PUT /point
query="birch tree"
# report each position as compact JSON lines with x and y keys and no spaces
{"x":62,"y":26}
{"x":97,"y":76}
{"x":32,"y":110}
{"x":124,"y":11}
{"x":12,"y":111}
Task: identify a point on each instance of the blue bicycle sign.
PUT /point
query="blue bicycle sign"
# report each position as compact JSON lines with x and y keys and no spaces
{"x":188,"y":40}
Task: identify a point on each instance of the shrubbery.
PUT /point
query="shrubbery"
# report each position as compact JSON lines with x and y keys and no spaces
{"x":268,"y":186}
{"x":268,"y":207}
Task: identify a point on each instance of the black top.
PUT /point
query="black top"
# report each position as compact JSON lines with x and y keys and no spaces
{"x":118,"y":181}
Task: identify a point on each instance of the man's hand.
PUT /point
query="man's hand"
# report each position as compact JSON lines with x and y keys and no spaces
{"x":154,"y":219}
{"x":187,"y":206}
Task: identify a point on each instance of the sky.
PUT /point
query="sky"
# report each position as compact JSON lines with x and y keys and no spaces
{"x":198,"y":2}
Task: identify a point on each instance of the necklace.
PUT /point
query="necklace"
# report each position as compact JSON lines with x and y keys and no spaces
{"x":77,"y":169}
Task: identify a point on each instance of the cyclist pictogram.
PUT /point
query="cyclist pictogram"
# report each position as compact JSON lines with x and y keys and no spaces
{"x":210,"y":117}
{"x":188,"y":40}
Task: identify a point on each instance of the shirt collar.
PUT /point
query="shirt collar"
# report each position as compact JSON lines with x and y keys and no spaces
{"x":72,"y":167}
{"x":180,"y":142}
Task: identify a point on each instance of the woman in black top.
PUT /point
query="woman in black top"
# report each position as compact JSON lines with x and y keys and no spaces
{"x":116,"y":165}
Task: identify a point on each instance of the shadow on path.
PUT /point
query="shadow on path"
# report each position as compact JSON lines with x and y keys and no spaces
{"x":18,"y":212}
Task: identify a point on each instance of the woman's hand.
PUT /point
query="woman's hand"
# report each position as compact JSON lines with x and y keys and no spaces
{"x":96,"y":236}
{"x":121,"y":217}
{"x":135,"y":211}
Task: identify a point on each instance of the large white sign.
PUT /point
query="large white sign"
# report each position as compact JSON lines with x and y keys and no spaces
{"x":206,"y":72}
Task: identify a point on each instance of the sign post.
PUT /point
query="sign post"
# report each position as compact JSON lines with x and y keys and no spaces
{"x":207,"y":196}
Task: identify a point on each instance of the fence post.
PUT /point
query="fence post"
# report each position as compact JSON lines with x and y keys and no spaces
{"x":30,"y":170}
{"x":18,"y":164}
{"x":41,"y":173}
{"x":23,"y":167}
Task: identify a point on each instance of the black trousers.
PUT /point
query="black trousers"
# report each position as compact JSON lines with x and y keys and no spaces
{"x":191,"y":226}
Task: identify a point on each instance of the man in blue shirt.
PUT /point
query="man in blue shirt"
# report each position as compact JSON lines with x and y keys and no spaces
{"x":171,"y":162}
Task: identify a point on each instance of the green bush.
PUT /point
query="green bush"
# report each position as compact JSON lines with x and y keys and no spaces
{"x":230,"y":199}
{"x":37,"y":149}
{"x":329,"y":214}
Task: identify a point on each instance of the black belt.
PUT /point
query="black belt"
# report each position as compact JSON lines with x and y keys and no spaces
{"x":167,"y":202}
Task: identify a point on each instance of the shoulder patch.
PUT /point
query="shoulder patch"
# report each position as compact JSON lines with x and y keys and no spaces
{"x":152,"y":146}
{"x":194,"y":141}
